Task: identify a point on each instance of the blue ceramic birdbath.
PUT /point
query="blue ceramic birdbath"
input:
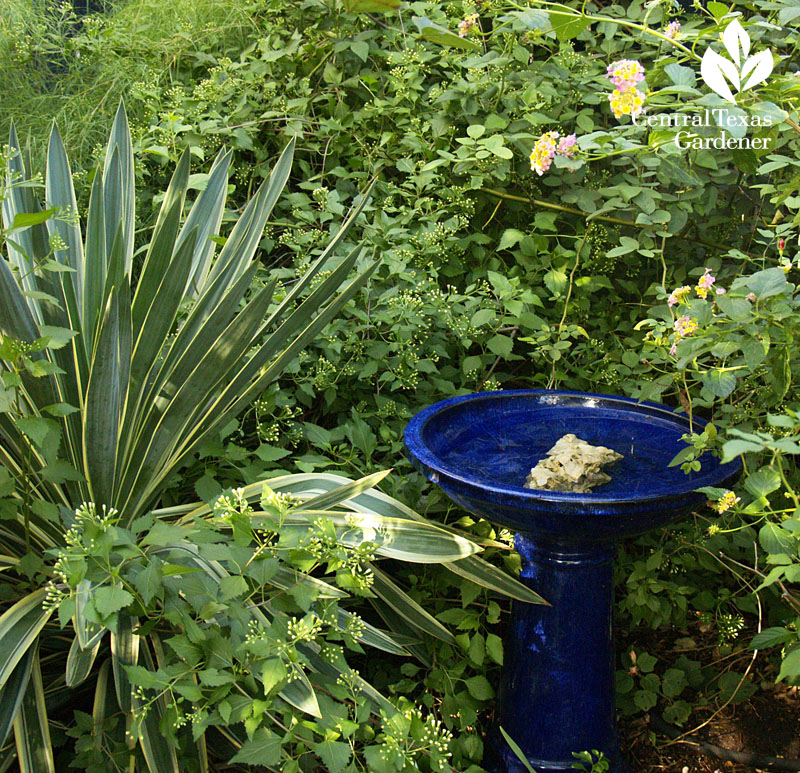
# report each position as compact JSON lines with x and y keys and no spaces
{"x":557,"y":691}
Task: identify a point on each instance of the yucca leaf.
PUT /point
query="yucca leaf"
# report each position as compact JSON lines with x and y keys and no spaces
{"x":162,"y":431}
{"x":12,"y":692}
{"x":31,"y":729}
{"x":372,"y":636}
{"x":299,"y":318}
{"x":155,"y":328}
{"x":20,"y":625}
{"x":243,"y":240}
{"x":159,"y":754}
{"x":96,"y":260}
{"x":112,"y":201}
{"x":286,"y":577}
{"x":402,"y":539}
{"x":87,"y":634}
{"x":407,"y":608}
{"x":222,"y":409}
{"x":344,"y":492}
{"x":60,"y":193}
{"x":18,"y":201}
{"x":198,"y":333}
{"x":124,"y":652}
{"x":119,"y":185}
{"x":80,"y":662}
{"x":493,"y":578}
{"x":102,"y":410}
{"x":16,"y":318}
{"x":100,"y":705}
{"x":373,"y":501}
{"x":206,"y":215}
{"x":161,"y":253}
{"x":399,"y":627}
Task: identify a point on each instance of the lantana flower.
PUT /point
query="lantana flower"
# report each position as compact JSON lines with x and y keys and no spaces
{"x":628,"y":102}
{"x":543,"y":152}
{"x":705,"y":283}
{"x":467,"y":24}
{"x":566,"y":146}
{"x":726,"y":502}
{"x":672,"y":30}
{"x":625,"y":73}
{"x":678,"y":295}
{"x":684,"y":326}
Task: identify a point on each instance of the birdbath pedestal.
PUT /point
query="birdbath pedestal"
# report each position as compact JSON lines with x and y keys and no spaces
{"x":557,"y":688}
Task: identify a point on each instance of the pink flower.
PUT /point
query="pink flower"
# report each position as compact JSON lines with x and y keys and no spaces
{"x":672,"y":30}
{"x":684,"y":326}
{"x":566,"y":146}
{"x":673,"y":350}
{"x":721,"y":291}
{"x":625,"y":74}
{"x":751,"y":297}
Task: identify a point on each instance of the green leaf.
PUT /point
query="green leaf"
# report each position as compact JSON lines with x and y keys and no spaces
{"x":719,"y":381}
{"x":511,"y":238}
{"x":765,"y":284}
{"x":790,"y":667}
{"x":273,"y":673}
{"x":774,"y":540}
{"x":263,"y":749}
{"x":334,"y":754}
{"x":110,"y":599}
{"x":494,"y":647}
{"x":232,"y":586}
{"x":441,"y":35}
{"x":733,"y":448}
{"x":501,"y":345}
{"x":372,"y":6}
{"x":479,"y":688}
{"x":27,"y":219}
{"x":772,"y":637}
{"x":763,"y":482}
{"x":567,"y":26}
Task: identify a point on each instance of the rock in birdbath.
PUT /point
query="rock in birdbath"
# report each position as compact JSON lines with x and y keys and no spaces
{"x":572,"y":465}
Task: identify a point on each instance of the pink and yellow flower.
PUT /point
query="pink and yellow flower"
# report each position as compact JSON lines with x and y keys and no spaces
{"x":629,"y":101}
{"x":625,"y":73}
{"x":684,"y":326}
{"x":705,"y":283}
{"x":467,"y":24}
{"x":672,"y":30}
{"x":678,"y":295}
{"x":543,"y":152}
{"x":566,"y":146}
{"x":726,"y":502}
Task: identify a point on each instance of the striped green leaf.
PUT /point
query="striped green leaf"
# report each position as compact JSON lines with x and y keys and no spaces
{"x":20,"y":625}
{"x":31,"y":728}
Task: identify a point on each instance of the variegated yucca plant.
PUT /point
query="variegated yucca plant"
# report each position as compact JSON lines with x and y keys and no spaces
{"x":114,"y":370}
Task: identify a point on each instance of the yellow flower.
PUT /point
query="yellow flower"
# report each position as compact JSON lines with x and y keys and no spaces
{"x":725,"y":502}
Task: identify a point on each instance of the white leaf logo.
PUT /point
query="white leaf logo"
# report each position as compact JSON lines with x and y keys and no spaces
{"x":737,"y":42}
{"x":743,"y":72}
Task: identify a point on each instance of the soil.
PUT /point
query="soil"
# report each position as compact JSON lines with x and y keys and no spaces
{"x":768,"y":724}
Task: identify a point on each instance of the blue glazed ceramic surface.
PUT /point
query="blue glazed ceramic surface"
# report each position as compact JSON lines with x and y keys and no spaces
{"x":479,"y":448}
{"x":557,"y":691}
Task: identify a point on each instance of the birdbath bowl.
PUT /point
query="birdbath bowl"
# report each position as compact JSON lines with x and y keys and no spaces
{"x":557,"y":688}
